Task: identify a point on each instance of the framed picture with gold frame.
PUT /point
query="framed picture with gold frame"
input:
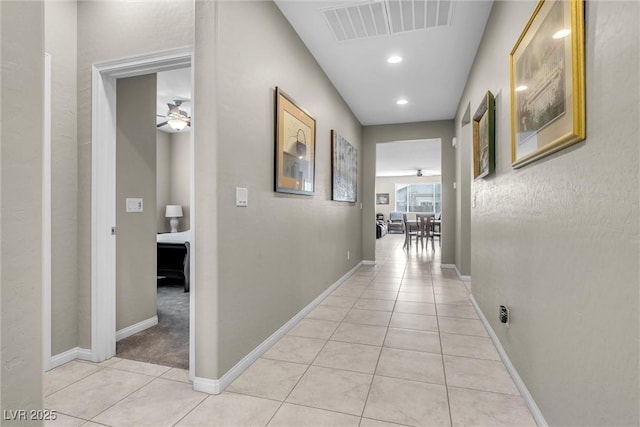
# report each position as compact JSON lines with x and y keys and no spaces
{"x":547,"y":82}
{"x":295,"y":147}
{"x":484,"y":131}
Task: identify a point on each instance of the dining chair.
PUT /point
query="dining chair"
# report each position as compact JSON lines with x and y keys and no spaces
{"x":425,"y":231}
{"x":437,"y":231}
{"x":409,"y":233}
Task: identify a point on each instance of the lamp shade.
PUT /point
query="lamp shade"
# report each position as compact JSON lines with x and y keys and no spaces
{"x":173,"y":211}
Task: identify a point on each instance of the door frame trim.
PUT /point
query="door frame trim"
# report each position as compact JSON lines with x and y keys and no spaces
{"x":103,"y":193}
{"x":46,"y":219}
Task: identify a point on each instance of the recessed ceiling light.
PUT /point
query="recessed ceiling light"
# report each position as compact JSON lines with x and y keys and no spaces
{"x":562,"y":33}
{"x":402,"y":102}
{"x":394,"y":59}
{"x":521,"y":88}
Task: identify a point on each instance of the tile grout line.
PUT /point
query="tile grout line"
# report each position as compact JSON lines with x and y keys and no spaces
{"x":207,"y":396}
{"x":444,"y":370}
{"x":386,"y":332}
{"x":308,"y":367}
{"x":124,"y":397}
{"x":76,"y":381}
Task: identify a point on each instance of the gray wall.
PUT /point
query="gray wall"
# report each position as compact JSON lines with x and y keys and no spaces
{"x":163,"y":179}
{"x":21,"y":130}
{"x":282,"y":251}
{"x":174,"y":177}
{"x":110,"y":30}
{"x":464,"y":178}
{"x":205,"y":247}
{"x":136,"y":177}
{"x":61,"y":42}
{"x":372,"y":135}
{"x":180,"y":183}
{"x":558,"y":240}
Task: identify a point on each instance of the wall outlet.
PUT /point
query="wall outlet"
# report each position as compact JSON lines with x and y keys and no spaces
{"x":348,"y":255}
{"x":504,"y":315}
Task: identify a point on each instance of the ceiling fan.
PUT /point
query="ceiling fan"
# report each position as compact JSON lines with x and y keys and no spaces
{"x":176,"y":118}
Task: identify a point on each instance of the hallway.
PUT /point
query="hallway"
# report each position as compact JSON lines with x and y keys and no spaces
{"x":398,"y":343}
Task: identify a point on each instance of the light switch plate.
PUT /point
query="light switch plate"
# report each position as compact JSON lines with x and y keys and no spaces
{"x":134,"y":205}
{"x":242,"y":197}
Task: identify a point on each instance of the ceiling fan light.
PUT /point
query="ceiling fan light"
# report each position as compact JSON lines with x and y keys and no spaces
{"x":177,"y":124}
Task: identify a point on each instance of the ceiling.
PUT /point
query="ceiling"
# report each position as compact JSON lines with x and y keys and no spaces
{"x":404,"y":158}
{"x":436,"y":60}
{"x":171,"y":86}
{"x":431,"y":77}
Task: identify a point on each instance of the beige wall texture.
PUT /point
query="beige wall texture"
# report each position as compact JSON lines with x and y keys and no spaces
{"x":373,"y":135}
{"x":205,"y":247}
{"x":558,"y":240}
{"x":21,"y":155}
{"x":61,"y":43}
{"x":387,"y":184}
{"x":180,"y":184}
{"x":282,"y":251}
{"x":464,"y":178}
{"x":174,"y":177}
{"x":109,"y":30}
{"x":135,"y":178}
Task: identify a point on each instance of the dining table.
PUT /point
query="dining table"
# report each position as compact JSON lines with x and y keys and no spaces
{"x":413,"y":225}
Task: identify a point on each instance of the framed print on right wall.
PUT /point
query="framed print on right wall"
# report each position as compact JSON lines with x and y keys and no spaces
{"x":547,"y":82}
{"x":484,"y":131}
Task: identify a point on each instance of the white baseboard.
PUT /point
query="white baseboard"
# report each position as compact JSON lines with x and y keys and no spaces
{"x":206,"y":385}
{"x":524,"y":391}
{"x":69,"y":355}
{"x":138,"y":327}
{"x":455,"y":267}
{"x":367,"y":262}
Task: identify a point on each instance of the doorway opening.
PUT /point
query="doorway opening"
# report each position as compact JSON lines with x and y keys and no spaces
{"x":104,"y":200}
{"x":408,"y":183}
{"x":165,"y":339}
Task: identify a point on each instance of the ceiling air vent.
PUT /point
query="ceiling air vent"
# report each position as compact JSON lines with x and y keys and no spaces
{"x":374,"y":18}
{"x":357,"y":20}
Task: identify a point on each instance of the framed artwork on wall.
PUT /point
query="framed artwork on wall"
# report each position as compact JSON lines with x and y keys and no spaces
{"x":382,"y":198}
{"x":484,"y":131}
{"x":295,"y":145}
{"x":547,"y":82}
{"x":344,"y":169}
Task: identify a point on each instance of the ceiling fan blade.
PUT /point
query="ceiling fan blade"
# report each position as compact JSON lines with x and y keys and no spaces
{"x":161,"y":124}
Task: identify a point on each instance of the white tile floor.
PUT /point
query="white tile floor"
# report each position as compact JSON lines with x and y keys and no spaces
{"x":396,"y":344}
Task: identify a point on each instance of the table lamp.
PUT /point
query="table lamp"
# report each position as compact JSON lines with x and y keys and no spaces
{"x":174,"y":212}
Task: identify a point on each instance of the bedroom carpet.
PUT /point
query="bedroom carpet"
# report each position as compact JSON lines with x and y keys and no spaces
{"x":166,"y":343}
